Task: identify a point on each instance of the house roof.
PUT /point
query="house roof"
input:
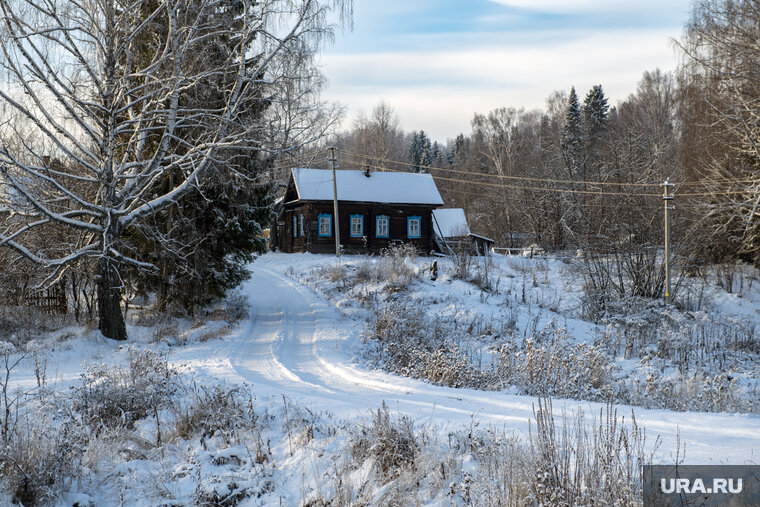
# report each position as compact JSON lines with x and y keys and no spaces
{"x":450,"y":223}
{"x":379,"y":187}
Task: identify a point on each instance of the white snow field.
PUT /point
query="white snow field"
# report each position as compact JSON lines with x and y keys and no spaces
{"x":300,"y":351}
{"x":295,"y":345}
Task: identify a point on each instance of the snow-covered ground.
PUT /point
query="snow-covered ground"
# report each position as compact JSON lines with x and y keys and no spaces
{"x":302,"y":349}
{"x":298,"y":346}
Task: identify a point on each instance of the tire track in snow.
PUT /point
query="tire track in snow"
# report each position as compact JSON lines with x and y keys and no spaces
{"x":293,"y":347}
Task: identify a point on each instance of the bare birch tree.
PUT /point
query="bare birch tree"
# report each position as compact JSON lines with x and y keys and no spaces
{"x":721,"y":84}
{"x":103,"y":97}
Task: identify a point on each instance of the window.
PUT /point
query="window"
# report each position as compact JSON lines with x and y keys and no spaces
{"x":413,"y":227}
{"x":295,"y":226}
{"x":325,"y":226}
{"x":381,"y":226}
{"x":357,"y":226}
{"x":300,"y":224}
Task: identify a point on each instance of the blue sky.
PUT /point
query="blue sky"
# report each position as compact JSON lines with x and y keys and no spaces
{"x":437,"y":62}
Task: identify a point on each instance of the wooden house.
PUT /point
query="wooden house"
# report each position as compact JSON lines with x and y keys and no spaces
{"x":375,"y":210}
{"x":453,"y":235}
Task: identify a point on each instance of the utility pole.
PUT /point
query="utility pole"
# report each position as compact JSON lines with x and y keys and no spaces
{"x":336,"y":223}
{"x":666,"y":198}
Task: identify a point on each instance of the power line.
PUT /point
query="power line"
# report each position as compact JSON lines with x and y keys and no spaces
{"x":310,"y":155}
{"x":575,"y":204}
{"x":502,"y":176}
{"x":544,"y":180}
{"x":540,"y":189}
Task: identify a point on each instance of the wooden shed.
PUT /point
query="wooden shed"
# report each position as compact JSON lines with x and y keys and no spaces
{"x":376,"y":210}
{"x":452,"y":233}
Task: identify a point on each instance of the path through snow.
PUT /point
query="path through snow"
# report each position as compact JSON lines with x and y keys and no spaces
{"x":294,"y":344}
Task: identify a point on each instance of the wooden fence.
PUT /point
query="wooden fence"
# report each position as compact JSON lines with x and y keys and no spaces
{"x":51,"y":300}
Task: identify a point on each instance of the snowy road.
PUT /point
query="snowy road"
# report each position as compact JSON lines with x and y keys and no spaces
{"x":294,"y":343}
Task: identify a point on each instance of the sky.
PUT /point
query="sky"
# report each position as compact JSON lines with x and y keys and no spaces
{"x":438,"y":62}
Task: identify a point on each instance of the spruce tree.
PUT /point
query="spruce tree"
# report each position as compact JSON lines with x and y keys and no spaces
{"x":420,"y":151}
{"x":215,"y":231}
{"x":595,"y":111}
{"x":203,"y":242}
{"x":573,"y":136}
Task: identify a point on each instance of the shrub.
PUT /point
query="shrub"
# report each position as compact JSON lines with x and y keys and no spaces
{"x":165,"y":332}
{"x":577,"y":466}
{"x":413,"y":346}
{"x":236,"y":307}
{"x":388,"y":441}
{"x":397,"y":268}
{"x":36,"y":460}
{"x":550,"y":364}
{"x":215,"y":411}
{"x":112,"y":396}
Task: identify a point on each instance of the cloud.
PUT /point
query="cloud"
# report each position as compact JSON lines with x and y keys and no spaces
{"x":597,"y":6}
{"x":555,"y":5}
{"x":440,"y":90}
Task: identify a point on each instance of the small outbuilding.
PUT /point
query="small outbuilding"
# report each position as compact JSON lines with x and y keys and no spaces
{"x":375,"y":210}
{"x":452,"y":233}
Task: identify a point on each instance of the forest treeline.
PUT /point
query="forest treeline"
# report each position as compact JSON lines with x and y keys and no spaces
{"x":585,"y":174}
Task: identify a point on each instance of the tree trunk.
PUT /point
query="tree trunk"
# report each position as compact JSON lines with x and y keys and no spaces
{"x":110,"y":318}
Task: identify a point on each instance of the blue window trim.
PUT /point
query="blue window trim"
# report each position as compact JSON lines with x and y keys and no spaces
{"x":387,"y":228}
{"x":409,"y":219}
{"x":295,"y":225}
{"x":300,"y":225}
{"x":351,"y":226}
{"x":319,"y":223}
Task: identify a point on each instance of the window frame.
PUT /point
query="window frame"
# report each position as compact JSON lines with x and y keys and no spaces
{"x":300,"y":225}
{"x":295,"y":225}
{"x":409,"y":221}
{"x":351,"y":226}
{"x":328,"y":216}
{"x":387,"y":226}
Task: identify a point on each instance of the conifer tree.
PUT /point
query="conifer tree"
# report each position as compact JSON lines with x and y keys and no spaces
{"x":420,"y":151}
{"x":595,"y":111}
{"x":573,"y":137}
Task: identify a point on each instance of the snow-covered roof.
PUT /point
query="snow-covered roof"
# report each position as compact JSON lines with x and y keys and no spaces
{"x":450,"y":223}
{"x":380,"y":187}
{"x":482,"y":237}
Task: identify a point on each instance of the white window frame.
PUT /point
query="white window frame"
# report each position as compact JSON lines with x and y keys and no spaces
{"x":300,"y":225}
{"x":357,"y":226}
{"x":413,"y":220}
{"x":323,"y":219}
{"x":386,"y":221}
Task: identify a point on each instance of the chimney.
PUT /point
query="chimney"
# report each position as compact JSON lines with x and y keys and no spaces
{"x":366,"y":172}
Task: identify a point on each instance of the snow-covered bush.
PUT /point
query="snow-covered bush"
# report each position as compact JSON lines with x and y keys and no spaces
{"x":551,"y":363}
{"x":113,"y":396}
{"x":21,"y":324}
{"x":412,"y":345}
{"x":570,"y":461}
{"x":37,"y":459}
{"x":571,"y":465}
{"x":301,"y":424}
{"x":396,"y":267}
{"x":334,"y":272}
{"x":236,"y":307}
{"x":166,"y":332}
{"x":389,"y":441}
{"x":478,"y":270}
{"x":700,"y":391}
{"x":215,"y":412}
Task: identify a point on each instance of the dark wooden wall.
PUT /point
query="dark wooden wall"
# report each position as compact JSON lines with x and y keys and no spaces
{"x":311,"y":242}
